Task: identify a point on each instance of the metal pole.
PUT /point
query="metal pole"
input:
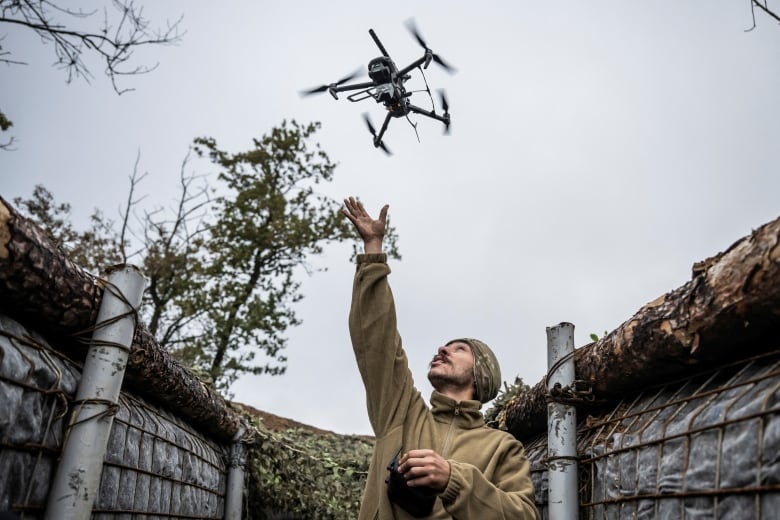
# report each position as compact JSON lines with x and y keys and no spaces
{"x":77,"y":477}
{"x":234,"y":495}
{"x":562,"y":502}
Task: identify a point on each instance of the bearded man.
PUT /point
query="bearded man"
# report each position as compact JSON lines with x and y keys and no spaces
{"x":441,"y":462}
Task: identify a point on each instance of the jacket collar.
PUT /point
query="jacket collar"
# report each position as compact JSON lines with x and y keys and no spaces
{"x":466,"y":414}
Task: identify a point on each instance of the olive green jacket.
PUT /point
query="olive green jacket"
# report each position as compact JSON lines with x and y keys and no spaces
{"x":490,"y":474}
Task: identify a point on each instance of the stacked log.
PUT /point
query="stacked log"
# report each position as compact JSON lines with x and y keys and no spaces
{"x":728,"y":310}
{"x":41,"y":286}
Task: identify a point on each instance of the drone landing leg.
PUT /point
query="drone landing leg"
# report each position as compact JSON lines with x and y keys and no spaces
{"x":378,"y":138}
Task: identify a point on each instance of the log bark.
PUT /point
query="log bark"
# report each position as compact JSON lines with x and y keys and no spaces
{"x":730,"y":309}
{"x":42,"y":288}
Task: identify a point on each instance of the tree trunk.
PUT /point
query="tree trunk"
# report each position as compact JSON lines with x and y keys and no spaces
{"x":41,"y":287}
{"x":730,"y":309}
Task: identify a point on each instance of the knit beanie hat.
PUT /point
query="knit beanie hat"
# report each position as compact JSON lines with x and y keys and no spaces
{"x":487,"y":374}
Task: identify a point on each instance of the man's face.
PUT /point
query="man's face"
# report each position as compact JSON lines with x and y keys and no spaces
{"x":452,"y":367}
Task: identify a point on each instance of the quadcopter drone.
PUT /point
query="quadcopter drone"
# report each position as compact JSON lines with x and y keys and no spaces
{"x":387,"y":87}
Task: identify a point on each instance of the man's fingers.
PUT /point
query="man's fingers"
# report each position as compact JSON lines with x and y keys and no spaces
{"x":414,"y":458}
{"x":350,"y":204}
{"x":417,"y":454}
{"x":425,"y":468}
{"x":383,"y":213}
{"x":355,"y":207}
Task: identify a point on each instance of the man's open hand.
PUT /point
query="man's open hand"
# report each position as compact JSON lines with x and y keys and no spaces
{"x":372,"y":231}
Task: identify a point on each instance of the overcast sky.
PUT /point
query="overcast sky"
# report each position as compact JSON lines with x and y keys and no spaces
{"x":598,"y":150}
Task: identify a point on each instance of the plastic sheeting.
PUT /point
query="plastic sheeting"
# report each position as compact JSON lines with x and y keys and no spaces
{"x":156,"y":464}
{"x":705,"y":447}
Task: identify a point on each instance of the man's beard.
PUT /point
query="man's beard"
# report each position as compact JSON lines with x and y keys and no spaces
{"x":455,"y":381}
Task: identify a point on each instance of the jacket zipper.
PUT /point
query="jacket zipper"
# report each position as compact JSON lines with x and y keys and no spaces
{"x":445,"y":450}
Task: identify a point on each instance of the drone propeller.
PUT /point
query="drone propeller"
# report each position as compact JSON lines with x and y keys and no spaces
{"x":324,"y":88}
{"x":446,"y":107}
{"x":412,"y":27}
{"x":371,"y":129}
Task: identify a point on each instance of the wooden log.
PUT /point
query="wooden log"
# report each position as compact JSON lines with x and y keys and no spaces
{"x":729,"y":309}
{"x":42,"y":288}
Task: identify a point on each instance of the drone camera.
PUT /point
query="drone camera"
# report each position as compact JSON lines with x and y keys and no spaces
{"x":379,"y":70}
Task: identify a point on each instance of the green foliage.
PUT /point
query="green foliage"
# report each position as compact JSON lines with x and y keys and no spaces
{"x":96,"y":247}
{"x":5,"y":124}
{"x":302,"y":474}
{"x":495,"y":416}
{"x":264,"y":228}
{"x":595,"y":337}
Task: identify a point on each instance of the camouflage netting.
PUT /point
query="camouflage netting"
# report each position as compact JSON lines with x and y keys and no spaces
{"x":155,"y":464}
{"x":704,"y":447}
{"x":304,"y":473}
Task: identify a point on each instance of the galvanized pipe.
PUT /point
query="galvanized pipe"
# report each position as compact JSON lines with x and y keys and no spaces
{"x":563,"y":503}
{"x":77,"y":478}
{"x":234,"y":496}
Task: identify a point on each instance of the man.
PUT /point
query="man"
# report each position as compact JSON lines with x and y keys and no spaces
{"x":452,"y":465}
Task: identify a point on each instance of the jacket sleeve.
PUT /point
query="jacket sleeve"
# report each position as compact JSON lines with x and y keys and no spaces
{"x":470,"y":495}
{"x":377,"y":344}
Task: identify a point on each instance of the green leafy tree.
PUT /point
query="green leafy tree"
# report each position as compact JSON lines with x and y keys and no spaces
{"x":269,"y":223}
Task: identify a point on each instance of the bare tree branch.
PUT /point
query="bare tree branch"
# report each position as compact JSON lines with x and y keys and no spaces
{"x":765,"y":8}
{"x":135,"y":179}
{"x":114,"y":44}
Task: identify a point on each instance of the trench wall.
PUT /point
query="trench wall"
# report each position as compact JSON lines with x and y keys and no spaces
{"x":156,"y":464}
{"x":704,"y":447}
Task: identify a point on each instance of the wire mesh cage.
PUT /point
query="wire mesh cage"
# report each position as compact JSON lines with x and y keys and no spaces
{"x":704,"y":447}
{"x":156,"y":465}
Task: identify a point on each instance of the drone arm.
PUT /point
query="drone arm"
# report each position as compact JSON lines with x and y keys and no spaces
{"x":433,"y":115}
{"x":378,"y":43}
{"x":425,"y":60}
{"x":356,"y":86}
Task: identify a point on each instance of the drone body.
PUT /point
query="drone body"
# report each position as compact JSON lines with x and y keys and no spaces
{"x":387,"y":87}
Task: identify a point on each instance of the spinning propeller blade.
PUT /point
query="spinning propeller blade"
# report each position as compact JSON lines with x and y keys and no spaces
{"x":444,"y":104}
{"x":446,"y":107}
{"x":412,"y":27}
{"x":323,"y":88}
{"x":371,"y":129}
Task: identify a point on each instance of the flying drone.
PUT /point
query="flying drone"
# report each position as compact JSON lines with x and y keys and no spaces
{"x":387,"y":87}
